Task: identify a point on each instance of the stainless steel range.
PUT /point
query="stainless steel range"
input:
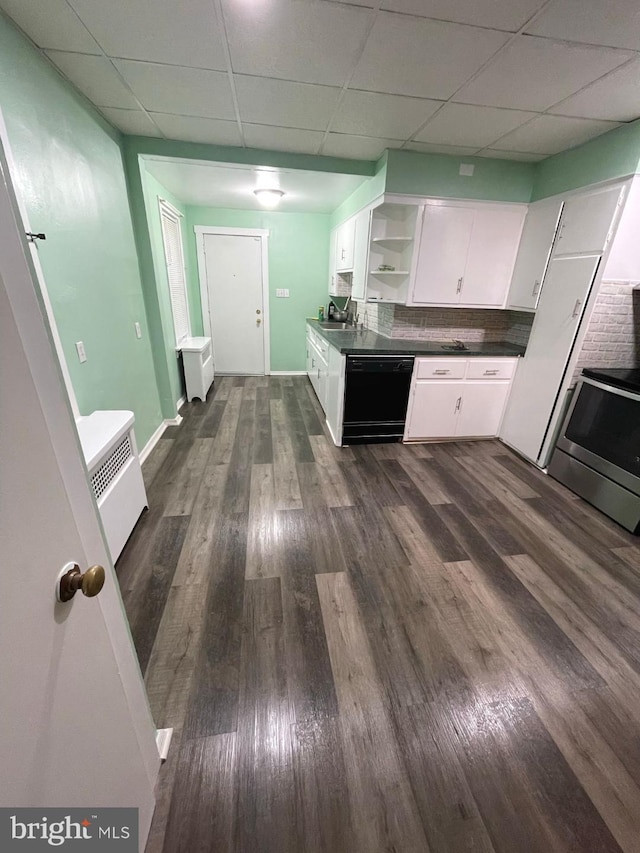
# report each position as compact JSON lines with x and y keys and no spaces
{"x":598,"y":453}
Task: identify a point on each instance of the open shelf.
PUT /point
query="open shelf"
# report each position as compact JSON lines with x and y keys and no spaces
{"x":392,"y":240}
{"x":388,"y":272}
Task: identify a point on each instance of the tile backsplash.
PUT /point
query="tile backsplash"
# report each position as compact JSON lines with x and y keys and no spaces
{"x":613,"y":334}
{"x":436,"y":324}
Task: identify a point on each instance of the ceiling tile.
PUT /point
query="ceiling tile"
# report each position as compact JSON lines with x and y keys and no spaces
{"x":608,"y":22}
{"x":53,"y":24}
{"x":282,"y":138}
{"x":497,"y":14}
{"x":385,"y":116}
{"x":615,"y":97}
{"x":184,"y":91}
{"x":549,"y":134}
{"x":432,"y":148}
{"x":524,"y":156}
{"x":356,"y":147}
{"x":534,"y":73}
{"x":267,"y":101}
{"x":96,"y":77}
{"x":132,"y":122}
{"x":462,"y":124}
{"x":191,"y":129}
{"x":414,"y":56}
{"x":293,"y":40}
{"x":184,"y":33}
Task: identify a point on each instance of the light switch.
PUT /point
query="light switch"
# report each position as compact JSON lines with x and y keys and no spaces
{"x":138,"y":330}
{"x":80,"y":350}
{"x":467,"y":169}
{"x":282,"y":292}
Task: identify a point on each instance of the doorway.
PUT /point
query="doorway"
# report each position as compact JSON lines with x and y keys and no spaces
{"x":234,"y":292}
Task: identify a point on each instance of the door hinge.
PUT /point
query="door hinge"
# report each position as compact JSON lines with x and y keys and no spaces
{"x":31,"y":237}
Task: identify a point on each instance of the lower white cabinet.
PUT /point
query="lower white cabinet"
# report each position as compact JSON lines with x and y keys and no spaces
{"x":318,"y":365}
{"x":468,"y":406}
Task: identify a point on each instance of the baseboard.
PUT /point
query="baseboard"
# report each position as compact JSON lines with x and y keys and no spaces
{"x":181,"y":402}
{"x":155,"y":438}
{"x":173,"y":421}
{"x":163,"y":741}
{"x":288,"y":373}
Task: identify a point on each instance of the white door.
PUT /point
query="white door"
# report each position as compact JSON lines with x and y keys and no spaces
{"x":481,"y":409}
{"x":434,"y":410}
{"x":539,"y":231}
{"x":234,"y":278}
{"x":587,"y":222}
{"x":537,"y":383}
{"x":492,"y":255}
{"x":442,"y":256}
{"x":76,"y":729}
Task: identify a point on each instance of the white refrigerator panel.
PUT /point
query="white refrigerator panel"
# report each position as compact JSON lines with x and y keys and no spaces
{"x":539,"y":377}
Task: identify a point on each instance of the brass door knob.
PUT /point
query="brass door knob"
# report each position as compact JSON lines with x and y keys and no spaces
{"x":91,"y":582}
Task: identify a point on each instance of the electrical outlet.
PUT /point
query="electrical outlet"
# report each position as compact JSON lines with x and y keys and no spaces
{"x":282,"y":292}
{"x":138,"y":330}
{"x":80,"y":350}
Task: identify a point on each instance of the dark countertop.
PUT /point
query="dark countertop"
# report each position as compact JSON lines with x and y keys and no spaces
{"x":354,"y":342}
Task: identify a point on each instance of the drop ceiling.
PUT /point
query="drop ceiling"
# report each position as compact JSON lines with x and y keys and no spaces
{"x":519,"y":79}
{"x":207,"y":184}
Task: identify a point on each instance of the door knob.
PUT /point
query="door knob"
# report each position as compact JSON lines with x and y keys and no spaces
{"x":72,"y":579}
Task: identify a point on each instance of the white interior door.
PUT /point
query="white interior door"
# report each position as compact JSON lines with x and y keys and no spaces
{"x":537,"y":383}
{"x":234,"y":278}
{"x":76,"y":729}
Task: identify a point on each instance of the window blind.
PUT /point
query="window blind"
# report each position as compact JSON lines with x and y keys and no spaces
{"x":172,"y":239}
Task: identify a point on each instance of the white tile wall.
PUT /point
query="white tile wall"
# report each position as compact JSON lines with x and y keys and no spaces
{"x":613,"y":334}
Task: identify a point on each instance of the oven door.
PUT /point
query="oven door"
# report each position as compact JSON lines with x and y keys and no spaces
{"x":602,"y":430}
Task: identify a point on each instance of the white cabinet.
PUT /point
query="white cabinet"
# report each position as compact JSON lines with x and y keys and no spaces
{"x":588,"y":221}
{"x":461,"y":398}
{"x":540,"y":376}
{"x":197,"y":361}
{"x":535,"y":248}
{"x":345,"y":240}
{"x":391,"y":245}
{"x":361,"y":256}
{"x":332,"y":263}
{"x":334,"y":397}
{"x":466,"y":255}
{"x":317,"y":364}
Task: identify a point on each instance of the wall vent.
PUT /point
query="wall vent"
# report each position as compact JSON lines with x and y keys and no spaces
{"x":108,"y":471}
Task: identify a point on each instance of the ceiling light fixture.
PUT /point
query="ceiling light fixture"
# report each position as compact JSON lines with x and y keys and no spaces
{"x":267,"y":197}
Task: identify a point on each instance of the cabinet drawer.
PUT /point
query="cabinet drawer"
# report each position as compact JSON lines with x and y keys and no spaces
{"x":440,"y":368}
{"x":323,"y":347}
{"x":498,"y":368}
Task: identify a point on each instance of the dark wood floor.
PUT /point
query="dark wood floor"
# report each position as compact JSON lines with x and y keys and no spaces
{"x":383,"y":648}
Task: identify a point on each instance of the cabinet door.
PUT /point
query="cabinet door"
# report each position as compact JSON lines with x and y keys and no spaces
{"x":492,"y":255}
{"x":541,"y":372}
{"x":334,"y":400}
{"x":586,"y":222}
{"x":538,"y":235}
{"x":360,"y":256}
{"x":481,"y":409}
{"x":434,"y":409}
{"x":332,"y":261}
{"x":345,"y":245}
{"x":442,"y":257}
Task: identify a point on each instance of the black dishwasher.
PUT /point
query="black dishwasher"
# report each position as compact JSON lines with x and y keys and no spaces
{"x":376,"y":397}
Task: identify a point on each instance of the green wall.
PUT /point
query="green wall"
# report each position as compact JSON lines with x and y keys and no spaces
{"x":413,"y":173}
{"x":615,"y":154}
{"x":298,"y":260}
{"x":367,"y":192}
{"x":70,"y":177}
{"x":153,"y":191}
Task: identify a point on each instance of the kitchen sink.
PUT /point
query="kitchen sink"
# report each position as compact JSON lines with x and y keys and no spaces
{"x":336,"y":326}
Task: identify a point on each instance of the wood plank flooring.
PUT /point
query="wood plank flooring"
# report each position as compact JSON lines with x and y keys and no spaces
{"x":379,"y":649}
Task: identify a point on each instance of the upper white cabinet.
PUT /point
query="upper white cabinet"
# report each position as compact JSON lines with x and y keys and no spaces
{"x":466,"y":255}
{"x":345,"y":240}
{"x":588,"y":221}
{"x":360,"y":255}
{"x":539,"y":232}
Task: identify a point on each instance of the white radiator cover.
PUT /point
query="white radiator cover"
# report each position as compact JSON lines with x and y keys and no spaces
{"x":111,"y":455}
